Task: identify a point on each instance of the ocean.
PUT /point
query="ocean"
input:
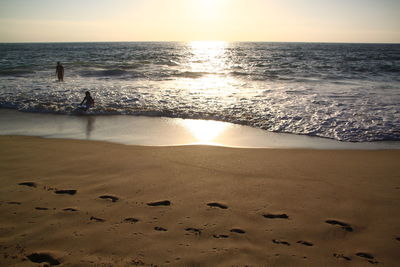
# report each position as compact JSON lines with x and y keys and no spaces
{"x":345,"y":92}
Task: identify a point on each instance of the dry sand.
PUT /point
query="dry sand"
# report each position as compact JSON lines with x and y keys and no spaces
{"x":222,"y":206}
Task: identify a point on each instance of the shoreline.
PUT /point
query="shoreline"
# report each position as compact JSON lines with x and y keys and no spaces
{"x":196,"y":205}
{"x":163,"y":131}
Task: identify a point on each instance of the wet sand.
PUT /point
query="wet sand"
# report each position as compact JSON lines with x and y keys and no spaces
{"x":162,"y":131}
{"x":88,"y":203}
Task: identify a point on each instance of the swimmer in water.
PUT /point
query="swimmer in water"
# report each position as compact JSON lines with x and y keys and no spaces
{"x":88,"y":100}
{"x":60,"y":72}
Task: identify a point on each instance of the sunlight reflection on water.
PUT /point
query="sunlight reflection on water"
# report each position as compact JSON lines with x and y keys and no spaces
{"x":208,"y":58}
{"x":205,"y":132}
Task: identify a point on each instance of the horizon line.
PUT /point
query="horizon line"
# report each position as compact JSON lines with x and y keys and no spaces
{"x":158,"y":41}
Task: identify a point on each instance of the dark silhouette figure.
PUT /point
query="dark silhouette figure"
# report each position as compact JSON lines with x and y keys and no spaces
{"x":88,"y":100}
{"x":60,"y":72}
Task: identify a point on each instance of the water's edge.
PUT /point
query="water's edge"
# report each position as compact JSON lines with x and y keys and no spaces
{"x":346,"y":92}
{"x":163,"y":131}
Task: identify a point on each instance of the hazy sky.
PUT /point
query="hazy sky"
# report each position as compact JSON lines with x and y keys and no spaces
{"x":186,"y":20}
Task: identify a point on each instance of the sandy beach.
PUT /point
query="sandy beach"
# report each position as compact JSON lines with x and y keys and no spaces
{"x":90,"y":203}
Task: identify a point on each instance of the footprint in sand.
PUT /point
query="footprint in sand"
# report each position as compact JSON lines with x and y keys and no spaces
{"x":341,"y":256}
{"x":131,"y":220}
{"x":14,"y":203}
{"x":97,"y":219}
{"x":217,"y":205}
{"x":220,"y":236}
{"x":345,"y":226}
{"x":160,"y":203}
{"x":194,"y":230}
{"x":305,"y":243}
{"x":280,"y":242}
{"x":238,"y":231}
{"x":40,"y":208}
{"x":66,"y":192}
{"x":109,"y":197}
{"x":160,"y":229}
{"x":70,"y":209}
{"x":30,"y":184}
{"x":43,"y":258}
{"x":276,"y":216}
{"x":368,"y":256}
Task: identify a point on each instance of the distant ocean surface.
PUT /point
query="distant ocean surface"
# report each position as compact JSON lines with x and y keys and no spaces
{"x":347,"y":92}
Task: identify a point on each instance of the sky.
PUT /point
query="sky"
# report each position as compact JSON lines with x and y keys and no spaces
{"x":370,"y":21}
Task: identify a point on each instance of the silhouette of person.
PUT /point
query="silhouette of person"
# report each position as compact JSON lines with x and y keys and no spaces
{"x":60,"y":72}
{"x":88,"y":100}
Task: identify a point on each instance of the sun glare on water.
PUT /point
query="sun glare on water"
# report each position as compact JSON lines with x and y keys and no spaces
{"x":209,"y":61}
{"x":206,"y":132}
{"x":208,"y":56}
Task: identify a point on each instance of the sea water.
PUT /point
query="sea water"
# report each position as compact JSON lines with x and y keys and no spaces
{"x":346,"y":92}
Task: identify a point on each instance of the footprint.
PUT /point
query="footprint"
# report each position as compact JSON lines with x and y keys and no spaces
{"x":160,"y":229}
{"x":281,"y":242}
{"x":276,"y":216}
{"x":68,"y":192}
{"x":30,"y":184}
{"x":160,"y":203}
{"x":368,"y":256}
{"x":341,"y":256}
{"x":137,"y":262}
{"x":97,"y":219}
{"x":217,"y":205}
{"x":43,"y":257}
{"x":345,"y":226}
{"x":220,"y":236}
{"x":70,"y":209}
{"x":194,"y":230}
{"x":14,"y":203}
{"x":40,"y":208}
{"x":365,"y":255}
{"x":238,"y":231}
{"x":305,"y":243}
{"x":112,"y":198}
{"x":131,"y":220}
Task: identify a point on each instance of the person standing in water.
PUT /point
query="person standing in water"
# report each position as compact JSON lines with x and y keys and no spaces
{"x":88,"y":100}
{"x":60,"y":72}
